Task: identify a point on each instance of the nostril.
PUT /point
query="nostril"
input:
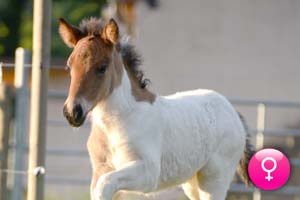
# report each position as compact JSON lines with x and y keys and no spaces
{"x":65,"y":112}
{"x":77,"y":112}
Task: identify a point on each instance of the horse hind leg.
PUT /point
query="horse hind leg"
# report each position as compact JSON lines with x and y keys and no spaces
{"x":190,"y":188}
{"x":215,"y":178}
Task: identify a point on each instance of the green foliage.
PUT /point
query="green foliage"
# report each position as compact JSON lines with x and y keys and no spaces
{"x":73,"y":12}
{"x":16,"y":22}
{"x":10,"y":20}
{"x":26,"y":26}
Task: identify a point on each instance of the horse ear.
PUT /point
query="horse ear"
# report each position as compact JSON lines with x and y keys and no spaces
{"x":110,"y":32}
{"x":70,"y":34}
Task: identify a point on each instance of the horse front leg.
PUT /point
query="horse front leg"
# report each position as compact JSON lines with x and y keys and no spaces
{"x":95,"y":177}
{"x":138,"y":176}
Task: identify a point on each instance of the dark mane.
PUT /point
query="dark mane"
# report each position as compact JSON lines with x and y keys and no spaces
{"x":91,"y":26}
{"x":131,"y":59}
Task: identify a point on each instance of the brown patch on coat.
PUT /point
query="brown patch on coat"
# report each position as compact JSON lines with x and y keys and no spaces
{"x":96,"y":42}
{"x":89,"y":55}
{"x":93,"y":51}
{"x":139,"y":93}
{"x":132,"y":61}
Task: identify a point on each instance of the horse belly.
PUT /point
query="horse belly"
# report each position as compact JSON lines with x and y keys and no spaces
{"x":182,"y":159}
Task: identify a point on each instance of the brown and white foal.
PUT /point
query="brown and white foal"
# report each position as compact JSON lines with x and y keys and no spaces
{"x":141,"y":142}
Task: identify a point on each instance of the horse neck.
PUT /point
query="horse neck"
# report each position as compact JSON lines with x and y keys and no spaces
{"x":118,"y":105}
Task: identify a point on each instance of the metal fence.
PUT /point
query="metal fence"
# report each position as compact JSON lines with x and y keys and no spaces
{"x":20,"y":148}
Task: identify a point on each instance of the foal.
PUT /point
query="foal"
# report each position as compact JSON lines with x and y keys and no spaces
{"x":141,"y":142}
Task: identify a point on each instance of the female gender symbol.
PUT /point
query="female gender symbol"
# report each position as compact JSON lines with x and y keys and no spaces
{"x":272,"y":162}
{"x":269,"y":177}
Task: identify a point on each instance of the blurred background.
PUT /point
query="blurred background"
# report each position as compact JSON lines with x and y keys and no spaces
{"x":248,"y":50}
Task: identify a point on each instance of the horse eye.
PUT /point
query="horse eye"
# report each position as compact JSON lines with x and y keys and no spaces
{"x":101,"y":70}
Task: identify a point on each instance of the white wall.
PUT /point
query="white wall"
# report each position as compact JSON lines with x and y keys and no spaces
{"x":242,"y":48}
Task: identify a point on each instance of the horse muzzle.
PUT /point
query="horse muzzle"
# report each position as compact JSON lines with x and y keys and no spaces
{"x":76,"y":117}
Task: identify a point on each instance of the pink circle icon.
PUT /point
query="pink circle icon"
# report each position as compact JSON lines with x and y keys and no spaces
{"x":269,"y":169}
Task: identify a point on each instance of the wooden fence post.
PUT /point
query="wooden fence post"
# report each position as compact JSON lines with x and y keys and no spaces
{"x":39,"y":93}
{"x":6,"y":103}
{"x":22,"y":57}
